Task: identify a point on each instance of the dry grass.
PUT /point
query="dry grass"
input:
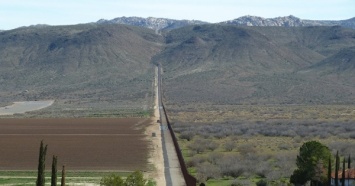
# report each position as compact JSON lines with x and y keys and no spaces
{"x":265,"y":113}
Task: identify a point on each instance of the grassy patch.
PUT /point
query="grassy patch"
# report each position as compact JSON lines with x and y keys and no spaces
{"x":264,"y":113}
{"x":219,"y":182}
{"x":29,"y":177}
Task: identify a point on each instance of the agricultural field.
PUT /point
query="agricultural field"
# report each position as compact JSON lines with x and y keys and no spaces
{"x":86,"y":146}
{"x":245,"y":144}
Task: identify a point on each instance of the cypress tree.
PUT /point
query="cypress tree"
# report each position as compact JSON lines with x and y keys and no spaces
{"x":62,"y":183}
{"x":349,"y":165}
{"x":54,"y":171}
{"x":41,"y":165}
{"x":343,"y":174}
{"x":330,"y":171}
{"x":336,"y":169}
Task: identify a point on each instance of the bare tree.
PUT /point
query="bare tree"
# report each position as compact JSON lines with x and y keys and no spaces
{"x":229,"y":145}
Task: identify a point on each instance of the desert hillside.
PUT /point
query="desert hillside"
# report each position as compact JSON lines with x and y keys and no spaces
{"x":220,"y":64}
{"x":101,"y":65}
{"x":85,"y":64}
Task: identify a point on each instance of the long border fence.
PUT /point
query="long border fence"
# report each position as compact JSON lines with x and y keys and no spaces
{"x":190,"y":180}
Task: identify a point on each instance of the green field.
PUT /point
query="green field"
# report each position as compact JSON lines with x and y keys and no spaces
{"x":18,"y":178}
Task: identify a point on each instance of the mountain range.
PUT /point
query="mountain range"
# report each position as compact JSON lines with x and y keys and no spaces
{"x":151,"y":22}
{"x":289,"y":21}
{"x":170,"y":24}
{"x":109,"y":65}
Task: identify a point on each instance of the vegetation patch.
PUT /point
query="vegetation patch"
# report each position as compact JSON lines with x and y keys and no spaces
{"x":19,"y":178}
{"x":258,"y":142}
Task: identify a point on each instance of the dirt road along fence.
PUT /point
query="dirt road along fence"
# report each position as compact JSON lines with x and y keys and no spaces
{"x":190,"y":180}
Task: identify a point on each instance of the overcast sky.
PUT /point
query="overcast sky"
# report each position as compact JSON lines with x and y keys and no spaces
{"x":16,"y":13}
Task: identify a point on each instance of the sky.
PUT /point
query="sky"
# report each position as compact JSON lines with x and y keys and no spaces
{"x":17,"y":13}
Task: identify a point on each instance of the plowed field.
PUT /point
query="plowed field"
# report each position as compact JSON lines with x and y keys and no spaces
{"x":80,"y":144}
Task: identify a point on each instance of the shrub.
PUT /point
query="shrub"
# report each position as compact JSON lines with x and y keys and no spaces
{"x":195,"y":161}
{"x":214,"y":157}
{"x":261,"y":183}
{"x":212,"y":145}
{"x":199,"y":145}
{"x":111,"y":180}
{"x":208,"y":171}
{"x":134,"y":179}
{"x":275,"y":175}
{"x":262,"y":169}
{"x":188,"y":135}
{"x":229,"y":166}
{"x":151,"y":183}
{"x":229,"y":145}
{"x":246,"y":149}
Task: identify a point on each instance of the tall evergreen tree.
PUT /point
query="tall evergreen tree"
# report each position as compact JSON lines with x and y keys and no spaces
{"x":349,"y":165}
{"x":318,"y":174}
{"x":312,"y":156}
{"x":330,"y":171}
{"x":343,"y":174}
{"x":62,"y":183}
{"x":41,"y":165}
{"x":54,"y":171}
{"x":336,"y":169}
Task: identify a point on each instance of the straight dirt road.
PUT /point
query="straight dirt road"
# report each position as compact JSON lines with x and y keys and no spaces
{"x":172,"y":169}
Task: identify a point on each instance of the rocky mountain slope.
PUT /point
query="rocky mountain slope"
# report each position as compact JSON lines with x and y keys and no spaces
{"x":110,"y":65}
{"x":288,"y":21}
{"x":170,"y":24}
{"x":151,"y":22}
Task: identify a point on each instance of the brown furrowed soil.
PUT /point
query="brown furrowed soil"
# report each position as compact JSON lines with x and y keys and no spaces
{"x":80,"y":144}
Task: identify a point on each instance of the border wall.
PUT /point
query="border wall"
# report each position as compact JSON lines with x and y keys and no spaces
{"x":190,"y":180}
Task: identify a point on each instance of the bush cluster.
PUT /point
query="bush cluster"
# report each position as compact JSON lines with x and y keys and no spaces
{"x":287,"y":128}
{"x":134,"y":179}
{"x":217,"y":165}
{"x":214,"y":152}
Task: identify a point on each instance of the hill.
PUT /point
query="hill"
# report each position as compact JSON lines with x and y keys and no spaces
{"x":343,"y":61}
{"x":89,"y":65}
{"x":288,"y":21}
{"x":110,"y":66}
{"x":151,"y":22}
{"x":338,"y":68}
{"x":222,"y":64}
{"x":164,"y":24}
